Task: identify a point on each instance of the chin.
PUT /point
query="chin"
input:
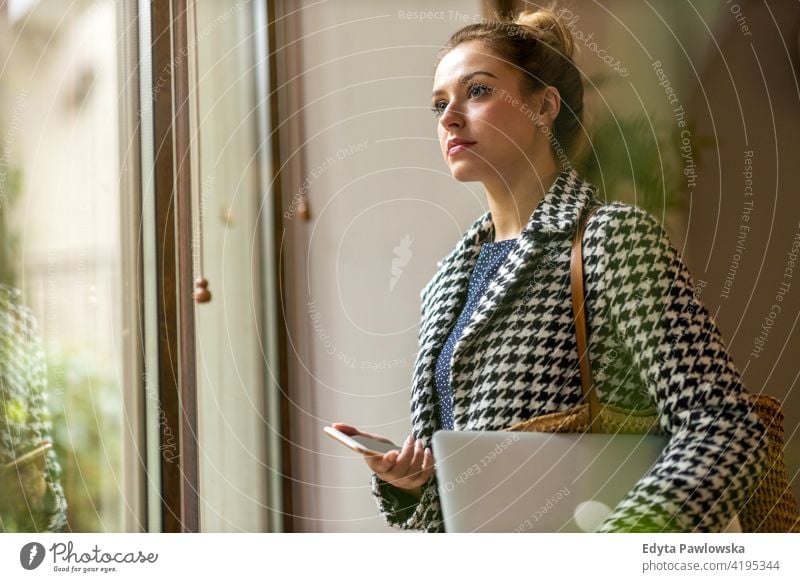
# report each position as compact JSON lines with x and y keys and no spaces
{"x":466,"y":173}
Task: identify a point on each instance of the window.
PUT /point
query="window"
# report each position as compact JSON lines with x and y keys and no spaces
{"x":70,"y":251}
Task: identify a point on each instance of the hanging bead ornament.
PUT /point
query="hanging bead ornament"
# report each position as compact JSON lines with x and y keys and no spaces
{"x":201,"y":293}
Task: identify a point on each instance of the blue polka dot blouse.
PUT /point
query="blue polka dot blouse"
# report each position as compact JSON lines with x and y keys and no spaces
{"x":489,"y":260}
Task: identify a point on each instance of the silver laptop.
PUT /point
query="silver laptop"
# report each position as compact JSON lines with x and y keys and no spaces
{"x":497,"y":481}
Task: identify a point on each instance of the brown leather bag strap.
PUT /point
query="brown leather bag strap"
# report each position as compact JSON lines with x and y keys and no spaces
{"x":578,"y":302}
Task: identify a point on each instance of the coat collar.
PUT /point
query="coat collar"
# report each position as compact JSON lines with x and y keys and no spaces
{"x":556,"y":213}
{"x":553,"y":220}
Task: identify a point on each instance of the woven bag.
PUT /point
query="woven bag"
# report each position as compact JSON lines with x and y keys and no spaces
{"x":771,"y":507}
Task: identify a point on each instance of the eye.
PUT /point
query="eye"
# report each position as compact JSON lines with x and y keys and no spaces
{"x":438,"y":108}
{"x":482,"y":87}
{"x":474,"y":90}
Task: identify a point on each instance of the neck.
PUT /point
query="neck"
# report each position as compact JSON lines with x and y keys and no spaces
{"x":512,"y":201}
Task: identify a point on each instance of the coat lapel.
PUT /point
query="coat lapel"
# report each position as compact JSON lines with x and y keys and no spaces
{"x":557,"y":213}
{"x":442,"y":301}
{"x":443,"y":298}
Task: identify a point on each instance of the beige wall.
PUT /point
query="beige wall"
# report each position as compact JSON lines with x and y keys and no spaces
{"x":375,"y":176}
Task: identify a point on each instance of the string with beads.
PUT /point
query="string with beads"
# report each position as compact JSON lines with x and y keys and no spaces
{"x":201,"y":293}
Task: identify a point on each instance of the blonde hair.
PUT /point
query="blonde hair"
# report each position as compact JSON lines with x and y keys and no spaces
{"x":541,"y":47}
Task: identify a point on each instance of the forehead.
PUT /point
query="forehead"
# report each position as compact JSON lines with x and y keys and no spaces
{"x":467,"y":58}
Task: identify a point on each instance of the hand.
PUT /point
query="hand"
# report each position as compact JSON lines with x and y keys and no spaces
{"x":409,"y":469}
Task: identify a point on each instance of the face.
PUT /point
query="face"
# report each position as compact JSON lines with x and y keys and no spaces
{"x":478,"y":98}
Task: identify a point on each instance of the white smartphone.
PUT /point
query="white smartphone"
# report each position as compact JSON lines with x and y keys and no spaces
{"x":361,"y":444}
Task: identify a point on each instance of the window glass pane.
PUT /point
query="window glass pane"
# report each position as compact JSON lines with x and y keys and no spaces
{"x":234,"y":467}
{"x":63,"y":261}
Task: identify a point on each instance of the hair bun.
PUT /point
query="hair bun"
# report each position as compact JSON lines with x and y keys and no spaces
{"x":550,"y":28}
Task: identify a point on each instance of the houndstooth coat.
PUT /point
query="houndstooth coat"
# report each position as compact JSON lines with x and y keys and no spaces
{"x":652,"y":341}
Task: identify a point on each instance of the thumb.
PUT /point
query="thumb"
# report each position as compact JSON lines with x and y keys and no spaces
{"x":381,"y":463}
{"x":345,"y":428}
{"x":389,"y":460}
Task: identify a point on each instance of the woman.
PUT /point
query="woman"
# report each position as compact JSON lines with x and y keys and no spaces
{"x":497,"y":341}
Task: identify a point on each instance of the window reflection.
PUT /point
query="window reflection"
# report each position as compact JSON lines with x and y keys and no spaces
{"x":61,"y":247}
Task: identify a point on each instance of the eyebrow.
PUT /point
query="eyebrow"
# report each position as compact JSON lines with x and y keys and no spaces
{"x":465,"y":78}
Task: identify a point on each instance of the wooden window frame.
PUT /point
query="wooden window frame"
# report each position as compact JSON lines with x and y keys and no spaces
{"x":176,"y":374}
{"x":177,"y":381}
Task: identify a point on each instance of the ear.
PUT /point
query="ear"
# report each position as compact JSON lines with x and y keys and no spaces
{"x":547,"y":104}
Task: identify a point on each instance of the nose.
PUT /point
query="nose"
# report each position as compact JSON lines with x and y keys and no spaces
{"x":451,"y":117}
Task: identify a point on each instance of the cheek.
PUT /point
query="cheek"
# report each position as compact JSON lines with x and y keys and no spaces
{"x":442,"y":141}
{"x":503,"y":122}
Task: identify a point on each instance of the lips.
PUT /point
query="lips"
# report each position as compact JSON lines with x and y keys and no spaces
{"x":458,"y":145}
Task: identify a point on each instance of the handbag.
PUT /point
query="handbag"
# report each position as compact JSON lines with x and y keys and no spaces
{"x":771,"y":507}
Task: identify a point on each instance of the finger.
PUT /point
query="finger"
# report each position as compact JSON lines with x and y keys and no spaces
{"x":380,"y":463}
{"x":404,"y":458}
{"x":389,"y":460}
{"x":419,"y":476}
{"x":415,"y":467}
{"x":427,"y":464}
{"x":427,"y":461}
{"x":345,"y":428}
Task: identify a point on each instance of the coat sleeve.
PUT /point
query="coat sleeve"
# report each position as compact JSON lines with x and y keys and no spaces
{"x":405,"y":511}
{"x":399,"y":508}
{"x":716,"y":448}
